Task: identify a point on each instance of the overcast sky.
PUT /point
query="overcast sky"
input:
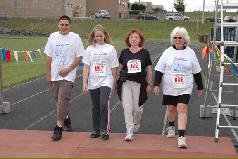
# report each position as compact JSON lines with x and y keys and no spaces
{"x":191,"y":5}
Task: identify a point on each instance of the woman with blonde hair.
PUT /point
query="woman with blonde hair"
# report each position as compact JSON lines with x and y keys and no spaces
{"x":99,"y":77}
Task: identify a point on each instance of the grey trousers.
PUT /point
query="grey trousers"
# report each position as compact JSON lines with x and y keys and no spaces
{"x":100,"y":109}
{"x":61,"y":91}
{"x":130,"y":100}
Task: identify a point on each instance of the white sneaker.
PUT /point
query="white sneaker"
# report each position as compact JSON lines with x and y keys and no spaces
{"x":129,"y":135}
{"x":136,"y":127}
{"x":171,"y":131}
{"x":182,"y":142}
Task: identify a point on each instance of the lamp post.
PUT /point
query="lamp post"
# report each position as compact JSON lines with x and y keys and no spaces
{"x":203,"y":9}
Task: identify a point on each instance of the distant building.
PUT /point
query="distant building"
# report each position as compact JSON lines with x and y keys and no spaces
{"x":56,"y":8}
{"x":42,"y":8}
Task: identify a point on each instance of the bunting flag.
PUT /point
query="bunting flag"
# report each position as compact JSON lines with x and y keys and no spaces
{"x":8,"y":56}
{"x":26,"y":56}
{"x":16,"y":56}
{"x":205,"y":51}
{"x":233,"y":66}
{"x":33,"y":53}
{"x":4,"y":55}
{"x":28,"y":53}
{"x":38,"y":50}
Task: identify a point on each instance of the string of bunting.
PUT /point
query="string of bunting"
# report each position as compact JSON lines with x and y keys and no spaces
{"x":217,"y":55}
{"x":29,"y":56}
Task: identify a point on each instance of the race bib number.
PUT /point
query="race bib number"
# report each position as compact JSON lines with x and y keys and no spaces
{"x":99,"y":69}
{"x":179,"y":80}
{"x":134,"y":66}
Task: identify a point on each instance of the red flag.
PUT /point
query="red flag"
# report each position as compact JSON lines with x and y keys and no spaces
{"x":26,"y":56}
{"x":8,"y":56}
{"x":203,"y":53}
{"x":207,"y":49}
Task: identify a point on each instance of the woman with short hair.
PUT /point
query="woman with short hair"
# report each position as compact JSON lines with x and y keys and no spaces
{"x":176,"y":68}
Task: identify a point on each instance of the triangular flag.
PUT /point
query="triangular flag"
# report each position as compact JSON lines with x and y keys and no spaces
{"x":26,"y":56}
{"x":40,"y":53}
{"x":8,"y":56}
{"x":33,"y":53}
{"x":28,"y":53}
{"x":16,"y":56}
{"x":234,"y":68}
{"x":203,"y":53}
{"x":4,"y":55}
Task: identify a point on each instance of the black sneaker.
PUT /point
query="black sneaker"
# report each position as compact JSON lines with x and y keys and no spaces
{"x":94,"y":135}
{"x":57,"y":134}
{"x":67,"y":124}
{"x":105,"y":136}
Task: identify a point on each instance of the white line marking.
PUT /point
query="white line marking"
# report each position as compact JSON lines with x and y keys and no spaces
{"x":47,"y":115}
{"x":24,"y":99}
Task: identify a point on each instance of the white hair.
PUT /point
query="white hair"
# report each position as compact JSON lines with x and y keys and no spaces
{"x":183,"y":32}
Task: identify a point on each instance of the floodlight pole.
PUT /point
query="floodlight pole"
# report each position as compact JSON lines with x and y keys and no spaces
{"x":203,"y":10}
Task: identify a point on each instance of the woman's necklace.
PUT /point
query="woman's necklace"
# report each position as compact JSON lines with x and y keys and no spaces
{"x":135,"y":49}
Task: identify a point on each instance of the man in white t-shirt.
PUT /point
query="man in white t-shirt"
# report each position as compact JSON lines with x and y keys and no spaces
{"x":64,"y":52}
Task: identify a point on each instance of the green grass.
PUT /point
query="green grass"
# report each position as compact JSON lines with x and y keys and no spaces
{"x":16,"y":73}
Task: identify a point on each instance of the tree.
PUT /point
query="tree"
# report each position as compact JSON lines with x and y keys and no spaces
{"x":179,"y":5}
{"x":138,"y":7}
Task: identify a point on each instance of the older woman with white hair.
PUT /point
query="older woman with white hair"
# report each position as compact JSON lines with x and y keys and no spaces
{"x":176,"y":68}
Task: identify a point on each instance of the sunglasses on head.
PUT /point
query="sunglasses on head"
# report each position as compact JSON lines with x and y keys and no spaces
{"x":177,"y":37}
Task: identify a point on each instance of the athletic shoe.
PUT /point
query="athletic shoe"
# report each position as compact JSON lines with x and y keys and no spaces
{"x":171,"y":131}
{"x":94,"y":135}
{"x":182,"y":142}
{"x":136,"y":127}
{"x":67,"y":124}
{"x":57,"y":134}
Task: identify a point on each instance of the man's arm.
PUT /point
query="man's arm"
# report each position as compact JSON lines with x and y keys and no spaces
{"x":48,"y":68}
{"x":67,"y":70}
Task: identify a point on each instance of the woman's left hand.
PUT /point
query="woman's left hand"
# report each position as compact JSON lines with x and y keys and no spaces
{"x":148,"y":89}
{"x":200,"y":92}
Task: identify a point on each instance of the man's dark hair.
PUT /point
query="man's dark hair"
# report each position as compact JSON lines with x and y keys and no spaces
{"x":65,"y":17}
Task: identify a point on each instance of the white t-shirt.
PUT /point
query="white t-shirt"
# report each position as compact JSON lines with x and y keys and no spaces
{"x":63,"y":49}
{"x":178,"y":67}
{"x":100,"y":59}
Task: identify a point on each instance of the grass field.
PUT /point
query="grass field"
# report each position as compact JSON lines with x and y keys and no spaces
{"x":16,"y":73}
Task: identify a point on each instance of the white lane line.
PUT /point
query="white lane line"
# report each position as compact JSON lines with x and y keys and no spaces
{"x":24,"y":99}
{"x":229,"y":124}
{"x":38,"y":93}
{"x":115,"y":106}
{"x":38,"y":121}
{"x":49,"y":114}
{"x":19,"y":85}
